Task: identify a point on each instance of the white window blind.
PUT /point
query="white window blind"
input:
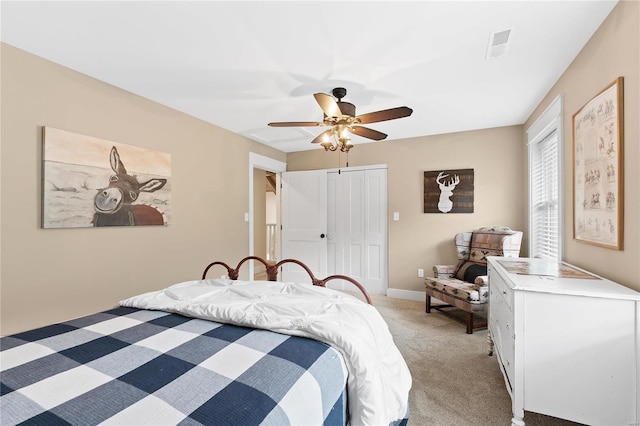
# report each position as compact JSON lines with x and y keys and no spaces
{"x":545,"y":198}
{"x":545,"y":177}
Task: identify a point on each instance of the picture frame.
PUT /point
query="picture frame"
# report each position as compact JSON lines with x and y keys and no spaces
{"x":598,"y":163}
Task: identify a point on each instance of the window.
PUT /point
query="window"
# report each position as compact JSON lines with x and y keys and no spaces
{"x":545,"y":192}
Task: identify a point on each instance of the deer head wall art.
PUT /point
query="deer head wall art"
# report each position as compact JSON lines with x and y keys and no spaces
{"x":448,"y":191}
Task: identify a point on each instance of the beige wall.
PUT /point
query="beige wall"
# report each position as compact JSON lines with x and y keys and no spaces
{"x":613,"y":51}
{"x":420,"y":240}
{"x":55,"y":274}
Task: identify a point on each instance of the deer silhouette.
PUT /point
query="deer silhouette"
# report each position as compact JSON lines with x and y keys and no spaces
{"x":114,"y":204}
{"x":446,"y":191}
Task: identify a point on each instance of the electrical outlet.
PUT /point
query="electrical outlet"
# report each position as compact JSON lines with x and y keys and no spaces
{"x":420,"y":273}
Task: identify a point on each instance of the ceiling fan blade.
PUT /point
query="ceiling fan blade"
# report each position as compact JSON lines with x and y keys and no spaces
{"x":368,"y":133}
{"x":321,"y":136}
{"x":328,"y":104}
{"x":296,"y":124}
{"x":384,"y":115}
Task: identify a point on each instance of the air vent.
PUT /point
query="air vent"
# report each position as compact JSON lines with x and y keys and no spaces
{"x":498,"y":44}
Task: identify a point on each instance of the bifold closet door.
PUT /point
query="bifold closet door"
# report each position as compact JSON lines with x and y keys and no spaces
{"x":304,"y":224}
{"x":357,"y":227}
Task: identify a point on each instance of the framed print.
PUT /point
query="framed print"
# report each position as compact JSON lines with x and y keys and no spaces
{"x":598,"y":196}
{"x":91,"y":182}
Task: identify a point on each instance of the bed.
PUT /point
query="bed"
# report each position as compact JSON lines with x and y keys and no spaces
{"x":214,"y":352}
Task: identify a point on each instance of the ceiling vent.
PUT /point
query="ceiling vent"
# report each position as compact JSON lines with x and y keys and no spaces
{"x":498,"y":44}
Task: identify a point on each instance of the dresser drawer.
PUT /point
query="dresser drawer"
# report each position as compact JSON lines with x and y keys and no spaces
{"x":501,"y":323}
{"x":498,"y":289}
{"x":501,"y":328}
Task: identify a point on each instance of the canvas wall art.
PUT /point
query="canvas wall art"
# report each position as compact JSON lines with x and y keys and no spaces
{"x":91,"y":182}
{"x":448,"y":191}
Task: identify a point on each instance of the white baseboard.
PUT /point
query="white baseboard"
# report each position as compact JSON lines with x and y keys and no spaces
{"x":396,"y":293}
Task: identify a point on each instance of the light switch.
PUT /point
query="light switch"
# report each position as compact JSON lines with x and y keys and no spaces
{"x":396,"y":216}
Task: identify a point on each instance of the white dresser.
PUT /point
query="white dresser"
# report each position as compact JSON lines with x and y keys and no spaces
{"x":567,"y":341}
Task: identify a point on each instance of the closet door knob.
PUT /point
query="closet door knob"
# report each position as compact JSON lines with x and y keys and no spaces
{"x":321,"y":235}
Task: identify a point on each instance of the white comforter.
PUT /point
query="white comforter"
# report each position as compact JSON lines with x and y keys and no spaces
{"x":379,"y":380}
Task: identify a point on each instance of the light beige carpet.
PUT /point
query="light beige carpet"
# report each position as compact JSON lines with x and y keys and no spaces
{"x":455,"y":382}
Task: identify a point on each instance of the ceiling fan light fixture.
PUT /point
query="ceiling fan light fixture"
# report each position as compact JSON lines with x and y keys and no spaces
{"x":346,"y":145}
{"x":337,"y":139}
{"x":341,"y":116}
{"x":328,"y":146}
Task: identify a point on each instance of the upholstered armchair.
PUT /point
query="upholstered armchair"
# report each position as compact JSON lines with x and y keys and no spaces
{"x":465,"y":285}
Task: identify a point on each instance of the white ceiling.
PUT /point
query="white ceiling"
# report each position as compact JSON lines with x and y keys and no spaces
{"x":242,"y":64}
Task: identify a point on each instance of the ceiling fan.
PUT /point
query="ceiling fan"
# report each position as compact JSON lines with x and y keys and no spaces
{"x":342,"y":118}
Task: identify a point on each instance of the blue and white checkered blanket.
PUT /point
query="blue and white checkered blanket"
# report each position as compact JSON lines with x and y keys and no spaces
{"x":379,"y":379}
{"x":128,"y":366}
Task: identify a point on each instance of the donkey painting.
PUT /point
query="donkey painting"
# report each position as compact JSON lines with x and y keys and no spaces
{"x":114,"y":204}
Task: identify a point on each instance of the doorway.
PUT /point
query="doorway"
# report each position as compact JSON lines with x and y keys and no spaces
{"x":257,"y":186}
{"x":272,"y":198}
